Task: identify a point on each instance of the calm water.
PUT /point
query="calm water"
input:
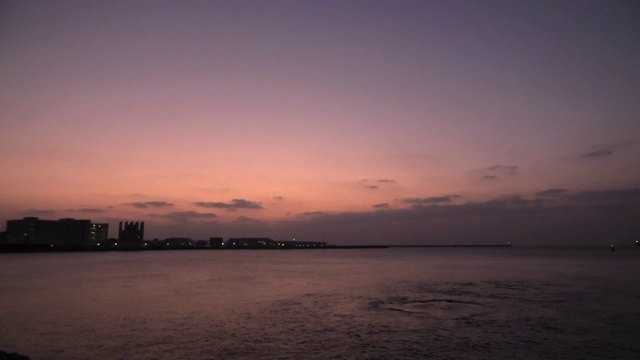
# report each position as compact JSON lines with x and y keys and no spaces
{"x":450,"y":303}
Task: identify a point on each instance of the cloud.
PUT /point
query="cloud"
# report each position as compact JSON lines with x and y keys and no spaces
{"x":381,"y":206}
{"x":596,"y":217}
{"x":39,"y":212}
{"x":597,"y":154}
{"x":376,"y":184}
{"x":278,"y":198}
{"x":233,"y":205}
{"x":149,"y":204}
{"x":605,"y":151}
{"x":87,"y":210}
{"x":244,"y":220}
{"x":588,"y":218}
{"x":552,"y":192}
{"x":608,"y":196}
{"x":315,"y":213}
{"x":429,"y":200}
{"x":503,"y":169}
{"x":187,"y":216}
{"x":498,"y":172}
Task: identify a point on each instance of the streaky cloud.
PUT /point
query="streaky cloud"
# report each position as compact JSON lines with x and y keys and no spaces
{"x":605,"y":151}
{"x":233,"y":205}
{"x":381,"y":206}
{"x":430,"y":200}
{"x":503,"y":169}
{"x":244,"y":220}
{"x":187,"y":216}
{"x":150,"y":204}
{"x":608,"y":196}
{"x":552,"y":192}
{"x":598,"y":154}
{"x":498,"y":172}
{"x":515,"y":218}
{"x":87,"y":210}
{"x":376,"y":184}
{"x":315,"y":213}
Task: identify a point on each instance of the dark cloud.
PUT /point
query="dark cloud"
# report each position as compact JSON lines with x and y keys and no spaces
{"x":503,"y":169}
{"x":233,"y":205}
{"x":594,"y":217}
{"x":586,"y":218}
{"x":608,"y":196}
{"x":381,"y":206}
{"x":552,"y":192}
{"x":315,"y":213}
{"x":605,"y":151}
{"x":39,"y":212}
{"x":150,"y":204}
{"x":597,"y":154}
{"x":429,"y":200}
{"x":87,"y":210}
{"x":376,"y":184}
{"x":187,"y":216}
{"x":498,"y":172}
{"x":244,"y":220}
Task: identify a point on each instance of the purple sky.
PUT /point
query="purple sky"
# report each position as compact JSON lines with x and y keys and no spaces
{"x":389,"y":122}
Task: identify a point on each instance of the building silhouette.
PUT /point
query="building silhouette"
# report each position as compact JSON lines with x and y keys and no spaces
{"x":216,"y":242}
{"x":67,"y":233}
{"x":130,"y":235}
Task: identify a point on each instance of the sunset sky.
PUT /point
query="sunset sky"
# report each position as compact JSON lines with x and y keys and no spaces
{"x":356,"y":122}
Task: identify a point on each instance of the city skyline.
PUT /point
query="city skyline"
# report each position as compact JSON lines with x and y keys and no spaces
{"x":358,"y":122}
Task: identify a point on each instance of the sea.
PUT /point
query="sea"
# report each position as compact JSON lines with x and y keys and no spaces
{"x":394,"y":303}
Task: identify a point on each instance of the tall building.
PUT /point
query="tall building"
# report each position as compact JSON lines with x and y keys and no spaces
{"x":130,"y":235}
{"x":99,"y":234}
{"x":70,"y":233}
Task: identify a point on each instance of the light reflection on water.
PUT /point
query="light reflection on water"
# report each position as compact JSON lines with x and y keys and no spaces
{"x":462,"y":303}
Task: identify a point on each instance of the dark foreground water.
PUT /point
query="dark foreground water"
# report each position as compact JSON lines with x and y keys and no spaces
{"x":451,"y":303}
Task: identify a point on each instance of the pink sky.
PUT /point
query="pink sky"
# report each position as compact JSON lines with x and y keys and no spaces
{"x":357,"y":121}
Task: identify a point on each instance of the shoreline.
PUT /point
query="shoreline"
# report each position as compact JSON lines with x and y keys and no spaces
{"x":41,"y":248}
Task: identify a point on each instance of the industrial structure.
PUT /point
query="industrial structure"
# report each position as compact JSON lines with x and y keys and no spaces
{"x":130,"y":236}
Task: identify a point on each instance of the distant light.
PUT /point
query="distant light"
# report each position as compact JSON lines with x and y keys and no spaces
{"x":115,"y":244}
